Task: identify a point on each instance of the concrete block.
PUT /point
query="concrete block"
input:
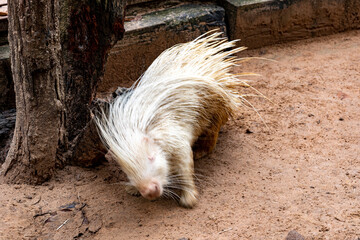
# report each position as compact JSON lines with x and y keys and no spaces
{"x":263,"y":22}
{"x":145,"y":38}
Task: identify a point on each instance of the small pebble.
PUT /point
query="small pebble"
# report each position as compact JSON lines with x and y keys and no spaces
{"x":248,"y":131}
{"x":294,"y":235}
{"x":28,"y":197}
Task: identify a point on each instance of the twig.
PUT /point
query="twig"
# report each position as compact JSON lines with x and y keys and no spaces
{"x":42,"y":214}
{"x":225,"y":230}
{"x":82,"y":206}
{"x":78,"y":197}
{"x":37,"y":201}
{"x":62,"y":224}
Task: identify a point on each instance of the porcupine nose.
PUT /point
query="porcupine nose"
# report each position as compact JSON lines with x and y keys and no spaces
{"x":151,"y":191}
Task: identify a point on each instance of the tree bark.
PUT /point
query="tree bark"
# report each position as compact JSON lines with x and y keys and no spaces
{"x":58,"y":52}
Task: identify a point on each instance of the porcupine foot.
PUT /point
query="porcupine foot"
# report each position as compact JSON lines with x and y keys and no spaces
{"x":132,"y":191}
{"x":188,"y":198}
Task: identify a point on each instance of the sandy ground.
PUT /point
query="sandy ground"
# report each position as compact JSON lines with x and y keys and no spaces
{"x":301,"y":173}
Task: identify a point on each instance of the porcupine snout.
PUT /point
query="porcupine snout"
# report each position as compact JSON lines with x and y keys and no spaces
{"x":151,"y":190}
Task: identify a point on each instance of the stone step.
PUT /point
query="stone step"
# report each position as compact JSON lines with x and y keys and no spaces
{"x":263,"y":22}
{"x":147,"y":35}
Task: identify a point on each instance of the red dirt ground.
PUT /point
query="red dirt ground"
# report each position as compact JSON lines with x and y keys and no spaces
{"x":301,"y":173}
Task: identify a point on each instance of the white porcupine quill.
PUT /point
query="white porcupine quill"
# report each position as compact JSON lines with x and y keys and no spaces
{"x":170,"y":95}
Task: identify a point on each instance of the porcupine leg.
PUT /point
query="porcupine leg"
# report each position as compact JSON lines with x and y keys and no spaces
{"x":206,"y":142}
{"x":189,"y":193}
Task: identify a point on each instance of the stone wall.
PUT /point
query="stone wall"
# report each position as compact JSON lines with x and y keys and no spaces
{"x":153,"y":26}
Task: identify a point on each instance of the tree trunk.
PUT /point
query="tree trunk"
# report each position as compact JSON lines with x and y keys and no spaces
{"x":58,"y":52}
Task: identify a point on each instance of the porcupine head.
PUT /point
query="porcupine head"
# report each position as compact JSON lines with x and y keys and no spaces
{"x":147,"y":169}
{"x":149,"y":173}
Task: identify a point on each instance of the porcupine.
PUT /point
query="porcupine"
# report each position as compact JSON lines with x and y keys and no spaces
{"x":178,"y":105}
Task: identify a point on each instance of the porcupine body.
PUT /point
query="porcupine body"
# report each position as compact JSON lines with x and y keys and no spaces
{"x":183,"y":98}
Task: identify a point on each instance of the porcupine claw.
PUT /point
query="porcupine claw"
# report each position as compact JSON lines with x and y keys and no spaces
{"x":189,"y":199}
{"x":132,"y":190}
